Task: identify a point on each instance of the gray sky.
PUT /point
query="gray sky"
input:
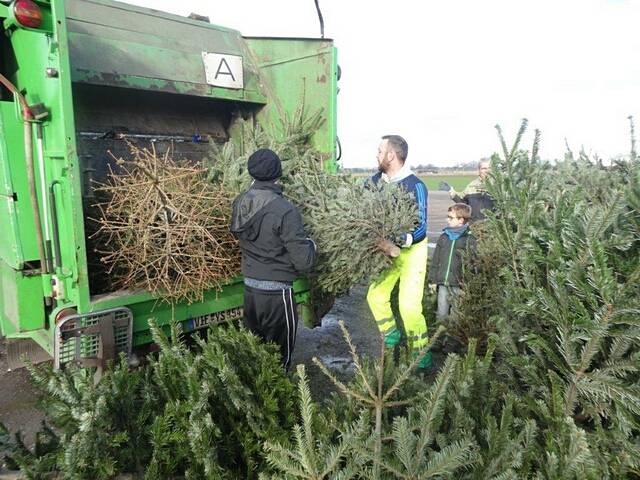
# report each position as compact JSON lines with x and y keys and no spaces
{"x":443,"y":73}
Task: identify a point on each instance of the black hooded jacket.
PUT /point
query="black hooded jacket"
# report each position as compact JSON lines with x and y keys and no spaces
{"x":272,"y":239}
{"x":445,"y":268}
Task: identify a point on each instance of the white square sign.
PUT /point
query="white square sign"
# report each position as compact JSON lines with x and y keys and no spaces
{"x":223,"y":70}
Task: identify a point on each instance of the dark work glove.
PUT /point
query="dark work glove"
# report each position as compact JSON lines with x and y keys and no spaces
{"x":444,"y":186}
{"x":399,"y":239}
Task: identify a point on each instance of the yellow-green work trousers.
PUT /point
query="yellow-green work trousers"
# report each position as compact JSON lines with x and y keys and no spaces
{"x":410,"y":268}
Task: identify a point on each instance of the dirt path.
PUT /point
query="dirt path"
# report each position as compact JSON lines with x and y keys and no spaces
{"x":18,"y":400}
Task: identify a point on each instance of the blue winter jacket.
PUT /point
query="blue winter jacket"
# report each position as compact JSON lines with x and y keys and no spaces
{"x":411,"y":183}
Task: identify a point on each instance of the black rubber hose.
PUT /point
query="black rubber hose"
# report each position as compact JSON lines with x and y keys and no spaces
{"x":317,"y":2}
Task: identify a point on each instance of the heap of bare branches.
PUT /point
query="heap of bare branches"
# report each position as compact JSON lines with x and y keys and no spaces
{"x":165,"y":227}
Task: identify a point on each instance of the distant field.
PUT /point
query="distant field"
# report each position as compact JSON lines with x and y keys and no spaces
{"x":458,"y":182}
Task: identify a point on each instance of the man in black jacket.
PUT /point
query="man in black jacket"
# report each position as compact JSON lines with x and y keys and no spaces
{"x":475,"y":195}
{"x":275,"y":250}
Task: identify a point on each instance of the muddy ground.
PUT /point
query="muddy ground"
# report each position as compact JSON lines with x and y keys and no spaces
{"x":18,"y":399}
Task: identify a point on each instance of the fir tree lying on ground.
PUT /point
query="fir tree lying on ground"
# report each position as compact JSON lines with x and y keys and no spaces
{"x":194,"y":412}
{"x":556,"y":394}
{"x":566,"y":321}
{"x":395,"y":434}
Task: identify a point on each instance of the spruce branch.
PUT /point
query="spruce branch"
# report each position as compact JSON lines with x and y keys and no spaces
{"x":378,"y":397}
{"x":345,"y":216}
{"x":314,"y":456}
{"x":520,"y":134}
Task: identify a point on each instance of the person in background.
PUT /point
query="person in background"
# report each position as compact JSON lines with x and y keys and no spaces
{"x":275,"y":250}
{"x":455,"y":243}
{"x":410,"y":253}
{"x":475,"y":194}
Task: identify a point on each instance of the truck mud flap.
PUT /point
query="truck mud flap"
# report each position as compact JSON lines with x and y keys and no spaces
{"x":24,"y":350}
{"x":92,"y":339}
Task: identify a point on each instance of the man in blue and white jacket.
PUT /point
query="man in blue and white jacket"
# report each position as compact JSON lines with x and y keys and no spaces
{"x":410,"y":255}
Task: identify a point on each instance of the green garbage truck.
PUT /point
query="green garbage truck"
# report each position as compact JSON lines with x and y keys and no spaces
{"x":75,"y":75}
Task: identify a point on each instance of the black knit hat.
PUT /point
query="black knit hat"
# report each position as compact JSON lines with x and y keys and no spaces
{"x":264,"y":164}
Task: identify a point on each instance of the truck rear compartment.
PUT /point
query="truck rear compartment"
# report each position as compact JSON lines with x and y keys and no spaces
{"x":109,"y":117}
{"x":101,"y":74}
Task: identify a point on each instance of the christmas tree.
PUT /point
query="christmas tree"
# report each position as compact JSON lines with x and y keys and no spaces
{"x":163,"y":227}
{"x":346,"y":216}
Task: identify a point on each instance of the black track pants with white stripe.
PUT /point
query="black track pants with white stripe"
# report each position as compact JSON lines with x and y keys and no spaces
{"x":273,"y":316}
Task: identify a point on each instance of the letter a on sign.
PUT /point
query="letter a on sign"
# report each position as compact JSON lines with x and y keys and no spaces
{"x":223,"y":70}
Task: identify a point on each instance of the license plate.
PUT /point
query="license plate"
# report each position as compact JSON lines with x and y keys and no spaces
{"x":203,"y":321}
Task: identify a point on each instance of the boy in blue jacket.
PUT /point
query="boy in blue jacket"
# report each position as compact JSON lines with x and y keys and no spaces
{"x":455,"y":243}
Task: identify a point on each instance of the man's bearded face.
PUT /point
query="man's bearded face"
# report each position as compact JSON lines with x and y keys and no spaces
{"x":383,"y":157}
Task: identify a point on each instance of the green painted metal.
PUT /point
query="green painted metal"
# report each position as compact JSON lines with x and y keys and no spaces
{"x":300,"y":73}
{"x":107,"y":45}
{"x":16,"y":217}
{"x":113,"y":44}
{"x":21,"y":299}
{"x":33,"y":51}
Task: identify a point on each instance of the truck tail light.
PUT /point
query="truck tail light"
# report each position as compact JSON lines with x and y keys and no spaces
{"x":65,"y":312}
{"x":27,"y":13}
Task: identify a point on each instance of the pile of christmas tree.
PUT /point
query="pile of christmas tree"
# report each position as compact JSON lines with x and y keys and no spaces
{"x":195,"y":411}
{"x":164,"y":223}
{"x":555,"y":393}
{"x":548,"y":390}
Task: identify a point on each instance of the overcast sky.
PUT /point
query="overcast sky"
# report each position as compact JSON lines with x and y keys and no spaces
{"x":443,"y":73}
